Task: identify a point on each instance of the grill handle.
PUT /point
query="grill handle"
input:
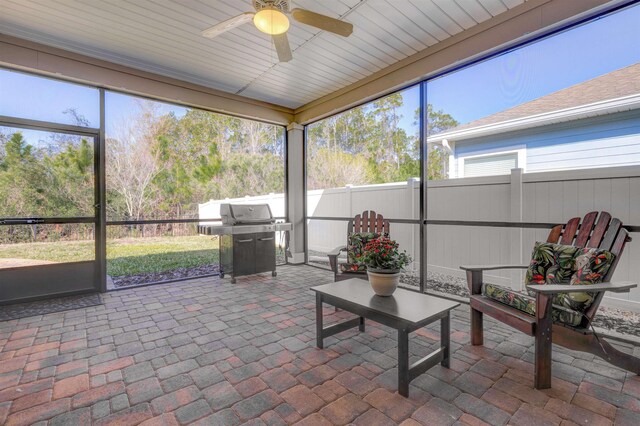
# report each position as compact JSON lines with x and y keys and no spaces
{"x":265,"y":239}
{"x":244,"y":241}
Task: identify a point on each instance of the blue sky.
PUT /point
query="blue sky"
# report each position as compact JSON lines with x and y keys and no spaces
{"x":37,"y":98}
{"x":119,"y":106}
{"x":482,"y":89}
{"x":544,"y":67}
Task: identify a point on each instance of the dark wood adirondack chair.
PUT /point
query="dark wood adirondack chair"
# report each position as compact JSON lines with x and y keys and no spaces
{"x":368,"y":221}
{"x":595,"y":231}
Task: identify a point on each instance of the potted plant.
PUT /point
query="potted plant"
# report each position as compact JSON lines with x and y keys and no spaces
{"x":384,"y":262}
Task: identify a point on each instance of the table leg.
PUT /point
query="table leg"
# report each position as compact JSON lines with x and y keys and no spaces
{"x":319,"y":325}
{"x":361,"y":326}
{"x":445,"y":340}
{"x":403,"y":363}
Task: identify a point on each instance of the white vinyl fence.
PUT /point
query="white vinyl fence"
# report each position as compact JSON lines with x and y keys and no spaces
{"x":548,"y":197}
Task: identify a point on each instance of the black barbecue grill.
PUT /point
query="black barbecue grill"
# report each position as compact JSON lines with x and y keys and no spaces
{"x":247,"y":239}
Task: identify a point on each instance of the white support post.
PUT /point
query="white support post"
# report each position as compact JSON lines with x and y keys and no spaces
{"x":414,"y":206}
{"x":515,"y":237}
{"x":295,"y":191}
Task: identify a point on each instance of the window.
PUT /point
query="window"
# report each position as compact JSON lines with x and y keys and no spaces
{"x":490,"y":164}
{"x":371,"y":144}
{"x":167,"y":162}
{"x":550,"y":107}
{"x":367,"y":158}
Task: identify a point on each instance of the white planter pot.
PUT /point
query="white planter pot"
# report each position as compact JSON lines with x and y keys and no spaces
{"x":384,"y":284}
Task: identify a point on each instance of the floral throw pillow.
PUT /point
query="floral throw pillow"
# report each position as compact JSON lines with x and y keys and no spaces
{"x":590,"y":267}
{"x":550,"y":264}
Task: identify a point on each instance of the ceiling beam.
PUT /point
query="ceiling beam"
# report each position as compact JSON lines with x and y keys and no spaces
{"x":20,"y":54}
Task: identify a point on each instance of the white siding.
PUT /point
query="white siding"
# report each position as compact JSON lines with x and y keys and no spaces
{"x":608,"y":141}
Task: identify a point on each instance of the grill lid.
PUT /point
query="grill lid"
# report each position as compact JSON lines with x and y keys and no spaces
{"x":239,"y":214}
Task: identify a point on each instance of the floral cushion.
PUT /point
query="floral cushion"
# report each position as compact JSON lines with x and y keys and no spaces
{"x":355,"y":248}
{"x":527,"y":304}
{"x":550,"y":264}
{"x":590,"y":267}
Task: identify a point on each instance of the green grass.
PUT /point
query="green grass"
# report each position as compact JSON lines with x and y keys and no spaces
{"x":125,"y":256}
{"x":141,"y":255}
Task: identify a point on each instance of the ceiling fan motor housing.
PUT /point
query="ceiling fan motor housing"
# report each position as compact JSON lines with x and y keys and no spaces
{"x":281,"y":5}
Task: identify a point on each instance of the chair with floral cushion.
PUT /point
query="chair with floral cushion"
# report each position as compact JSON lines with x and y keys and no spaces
{"x":362,"y":228}
{"x":576,"y":254}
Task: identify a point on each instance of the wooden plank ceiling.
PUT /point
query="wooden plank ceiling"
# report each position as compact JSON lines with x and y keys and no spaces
{"x":163,"y":36}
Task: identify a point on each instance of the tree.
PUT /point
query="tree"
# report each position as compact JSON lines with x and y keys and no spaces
{"x":390,"y":142}
{"x":23,"y":184}
{"x":71,"y":170}
{"x":439,"y":121}
{"x":334,"y":169}
{"x":437,"y":158}
{"x":373,"y":137}
{"x":132,"y":163}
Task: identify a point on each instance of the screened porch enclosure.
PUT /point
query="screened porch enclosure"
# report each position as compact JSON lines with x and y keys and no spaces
{"x":186,"y":201}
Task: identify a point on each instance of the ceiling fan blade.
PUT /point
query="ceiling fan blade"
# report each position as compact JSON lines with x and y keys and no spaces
{"x":323,"y":22}
{"x":282,"y":47}
{"x":227,"y":25}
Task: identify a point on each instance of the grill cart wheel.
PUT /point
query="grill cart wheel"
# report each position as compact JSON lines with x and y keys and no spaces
{"x":274,"y":274}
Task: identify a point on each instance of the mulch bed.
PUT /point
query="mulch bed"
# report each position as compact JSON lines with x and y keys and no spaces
{"x":175,"y":274}
{"x":158,"y":277}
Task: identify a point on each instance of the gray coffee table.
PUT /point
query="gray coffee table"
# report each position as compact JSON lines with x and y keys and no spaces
{"x":405,"y":310}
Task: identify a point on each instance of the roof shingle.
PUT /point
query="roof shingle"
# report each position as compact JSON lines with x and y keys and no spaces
{"x":616,"y":84}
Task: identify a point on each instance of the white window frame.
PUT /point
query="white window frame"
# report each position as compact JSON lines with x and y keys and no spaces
{"x":521,"y":152}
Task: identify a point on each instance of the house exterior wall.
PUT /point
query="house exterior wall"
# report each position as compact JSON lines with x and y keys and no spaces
{"x":607,"y":141}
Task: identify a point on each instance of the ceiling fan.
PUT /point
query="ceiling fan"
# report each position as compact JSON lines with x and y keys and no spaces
{"x":270,"y":17}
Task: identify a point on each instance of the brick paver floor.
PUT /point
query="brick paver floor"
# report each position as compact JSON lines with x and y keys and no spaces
{"x":212,"y":353}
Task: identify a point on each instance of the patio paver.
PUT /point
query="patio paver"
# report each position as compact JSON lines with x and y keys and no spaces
{"x":209,"y":352}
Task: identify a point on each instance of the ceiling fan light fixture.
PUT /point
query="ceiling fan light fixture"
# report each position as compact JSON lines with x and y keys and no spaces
{"x":271,"y":21}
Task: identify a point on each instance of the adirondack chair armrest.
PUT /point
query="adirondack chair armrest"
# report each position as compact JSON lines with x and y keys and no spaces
{"x":474,"y":274}
{"x":336,"y":251}
{"x":333,"y":257}
{"x":491,"y":267}
{"x":618,"y":287}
